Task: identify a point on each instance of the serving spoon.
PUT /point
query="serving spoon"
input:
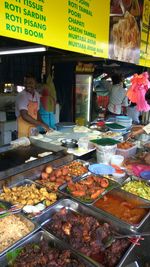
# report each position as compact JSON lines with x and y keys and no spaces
{"x":143,"y":206}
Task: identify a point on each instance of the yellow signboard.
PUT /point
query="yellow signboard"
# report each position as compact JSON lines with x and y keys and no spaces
{"x":93,"y":27}
{"x":76,"y":25}
{"x":145,"y":36}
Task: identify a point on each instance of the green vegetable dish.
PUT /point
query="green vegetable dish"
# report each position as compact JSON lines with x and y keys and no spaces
{"x":138,"y":188}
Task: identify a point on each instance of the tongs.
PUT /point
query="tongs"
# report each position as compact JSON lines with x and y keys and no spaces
{"x":113,"y":237}
{"x":13,"y":208}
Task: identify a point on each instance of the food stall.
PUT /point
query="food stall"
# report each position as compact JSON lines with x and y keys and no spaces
{"x":70,"y":208}
{"x":54,"y":210}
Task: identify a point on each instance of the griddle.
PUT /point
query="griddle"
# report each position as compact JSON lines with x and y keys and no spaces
{"x":18,"y":156}
{"x":12,"y":161}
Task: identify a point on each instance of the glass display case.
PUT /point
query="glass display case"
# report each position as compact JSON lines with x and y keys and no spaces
{"x":83,"y":89}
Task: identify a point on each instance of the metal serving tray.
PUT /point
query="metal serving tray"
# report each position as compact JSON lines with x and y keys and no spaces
{"x":127,"y":197}
{"x":139,"y":254}
{"x":63,"y":188}
{"x":133,"y":178}
{"x":84,"y":163}
{"x":32,"y":226}
{"x":29,"y":182}
{"x":37,"y":237}
{"x":37,"y":177}
{"x":76,"y":207}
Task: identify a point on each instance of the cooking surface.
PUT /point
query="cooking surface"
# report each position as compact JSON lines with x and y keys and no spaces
{"x":18,"y":156}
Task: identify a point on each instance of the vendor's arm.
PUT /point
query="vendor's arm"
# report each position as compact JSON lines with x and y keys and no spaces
{"x":145,"y":129}
{"x":24,"y":114}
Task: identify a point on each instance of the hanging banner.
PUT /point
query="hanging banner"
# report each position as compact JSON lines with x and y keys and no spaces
{"x":76,"y":25}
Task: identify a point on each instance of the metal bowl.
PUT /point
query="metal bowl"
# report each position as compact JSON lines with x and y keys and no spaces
{"x":69,"y":143}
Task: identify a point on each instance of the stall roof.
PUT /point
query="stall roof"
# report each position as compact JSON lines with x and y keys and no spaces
{"x":59,"y":55}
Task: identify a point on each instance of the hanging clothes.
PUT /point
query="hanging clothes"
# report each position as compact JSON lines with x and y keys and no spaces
{"x":48,"y":103}
{"x":136,"y":92}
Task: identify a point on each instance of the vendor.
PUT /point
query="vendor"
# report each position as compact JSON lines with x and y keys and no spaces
{"x":27,"y":107}
{"x":144,"y":129}
{"x":117,"y":96}
{"x":95,"y":108}
{"x":147,"y":158}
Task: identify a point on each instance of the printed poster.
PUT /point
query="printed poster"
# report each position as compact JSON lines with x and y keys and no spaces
{"x":125,"y":30}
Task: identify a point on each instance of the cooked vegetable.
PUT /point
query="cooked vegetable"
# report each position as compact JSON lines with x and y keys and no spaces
{"x":138,"y":188}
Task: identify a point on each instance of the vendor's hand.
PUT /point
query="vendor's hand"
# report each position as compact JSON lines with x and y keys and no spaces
{"x":50,"y":130}
{"x":147,"y":158}
{"x":47,"y":128}
{"x":135,"y":133}
{"x":130,"y":135}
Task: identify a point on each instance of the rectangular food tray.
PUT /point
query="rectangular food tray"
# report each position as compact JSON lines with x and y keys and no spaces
{"x":127,"y":197}
{"x":63,"y":188}
{"x":30,"y":182}
{"x":129,"y":179}
{"x":76,"y":207}
{"x":37,"y":237}
{"x":33,"y":228}
{"x":84,"y":163}
{"x":46,"y":182}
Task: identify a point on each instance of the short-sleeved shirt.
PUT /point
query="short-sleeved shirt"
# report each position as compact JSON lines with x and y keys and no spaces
{"x":147,"y":128}
{"x":22,"y":101}
{"x":117,"y":99}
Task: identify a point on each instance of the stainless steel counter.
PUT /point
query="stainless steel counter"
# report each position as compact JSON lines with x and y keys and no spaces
{"x":12,"y":161}
{"x":34,"y":171}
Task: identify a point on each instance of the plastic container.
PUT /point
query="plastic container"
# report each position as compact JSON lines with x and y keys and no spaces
{"x":65,"y":126}
{"x":118,"y":175}
{"x":117,"y":160}
{"x":127,"y":153}
{"x":101,"y":169}
{"x":84,"y":143}
{"x":115,"y":127}
{"x":105,"y":153}
{"x":125,"y":121}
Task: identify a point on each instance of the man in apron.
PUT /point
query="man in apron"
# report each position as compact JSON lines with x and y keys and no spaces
{"x":27,"y":107}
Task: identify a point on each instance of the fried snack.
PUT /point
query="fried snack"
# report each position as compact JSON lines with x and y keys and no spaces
{"x":126,"y":38}
{"x":28,"y":194}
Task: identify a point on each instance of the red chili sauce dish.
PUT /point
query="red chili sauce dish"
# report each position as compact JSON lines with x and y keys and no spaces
{"x":122,"y":208}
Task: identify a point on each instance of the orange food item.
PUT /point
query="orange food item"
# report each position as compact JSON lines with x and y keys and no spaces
{"x":58,"y":173}
{"x":49,"y":169}
{"x":117,"y":169}
{"x":97,"y":193}
{"x":104,"y":183}
{"x":89,"y":188}
{"x":124,"y":145}
{"x":44,"y":175}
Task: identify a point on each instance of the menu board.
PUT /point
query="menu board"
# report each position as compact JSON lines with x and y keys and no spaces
{"x":75,"y":25}
{"x":115,"y":29}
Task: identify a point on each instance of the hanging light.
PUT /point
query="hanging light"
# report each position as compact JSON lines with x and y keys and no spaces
{"x":23,"y":50}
